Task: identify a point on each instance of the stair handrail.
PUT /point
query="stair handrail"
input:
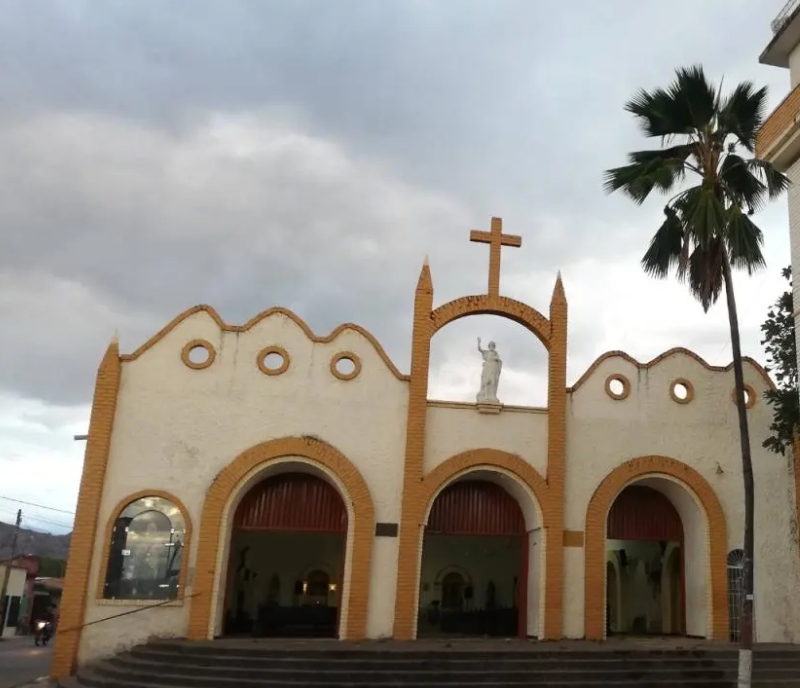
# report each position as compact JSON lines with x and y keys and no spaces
{"x":141,"y":608}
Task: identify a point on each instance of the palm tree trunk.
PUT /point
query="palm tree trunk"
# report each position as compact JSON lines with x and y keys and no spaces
{"x":746,"y":622}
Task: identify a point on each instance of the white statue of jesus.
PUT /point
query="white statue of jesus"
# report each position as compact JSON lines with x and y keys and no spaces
{"x":490,"y":377}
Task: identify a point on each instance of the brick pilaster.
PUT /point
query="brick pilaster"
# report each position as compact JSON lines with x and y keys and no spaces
{"x":556,"y":459}
{"x":405,"y":614}
{"x":79,"y":563}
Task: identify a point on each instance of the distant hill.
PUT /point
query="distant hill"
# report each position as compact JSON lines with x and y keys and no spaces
{"x":33,"y":542}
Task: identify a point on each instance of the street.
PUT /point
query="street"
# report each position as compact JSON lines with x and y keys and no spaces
{"x":21,"y":661}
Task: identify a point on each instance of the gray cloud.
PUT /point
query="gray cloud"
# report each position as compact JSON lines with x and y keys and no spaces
{"x":308,"y":154}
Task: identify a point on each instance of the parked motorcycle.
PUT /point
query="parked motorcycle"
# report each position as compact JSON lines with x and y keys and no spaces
{"x":42,"y":632}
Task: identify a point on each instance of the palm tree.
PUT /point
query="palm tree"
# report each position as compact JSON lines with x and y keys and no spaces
{"x":707,"y":140}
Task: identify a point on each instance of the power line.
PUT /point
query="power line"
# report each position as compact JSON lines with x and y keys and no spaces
{"x":38,"y":506}
{"x":6,"y":516}
{"x":39,"y":519}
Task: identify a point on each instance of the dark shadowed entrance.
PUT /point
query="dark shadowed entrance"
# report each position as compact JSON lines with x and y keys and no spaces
{"x":287,"y":559}
{"x":645,"y":590}
{"x":474,"y":574}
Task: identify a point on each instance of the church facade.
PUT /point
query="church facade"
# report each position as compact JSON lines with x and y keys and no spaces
{"x":262,"y":480}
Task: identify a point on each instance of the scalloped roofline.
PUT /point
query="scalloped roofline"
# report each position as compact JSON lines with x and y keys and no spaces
{"x":667,"y":354}
{"x":276,"y":310}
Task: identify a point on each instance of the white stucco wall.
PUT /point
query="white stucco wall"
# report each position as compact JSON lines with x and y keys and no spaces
{"x":794,"y":67}
{"x":602,"y":433}
{"x":454,"y":428}
{"x":177,"y":428}
{"x":794,"y":220}
{"x":17,"y":578}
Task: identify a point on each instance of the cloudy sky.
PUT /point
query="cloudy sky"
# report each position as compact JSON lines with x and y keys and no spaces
{"x":309,"y":154}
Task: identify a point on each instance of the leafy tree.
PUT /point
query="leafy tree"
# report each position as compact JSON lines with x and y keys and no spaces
{"x":706,"y":160}
{"x":51,"y":568}
{"x":781,"y":348}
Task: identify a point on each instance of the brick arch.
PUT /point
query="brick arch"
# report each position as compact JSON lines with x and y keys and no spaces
{"x":489,"y":304}
{"x":225,"y":486}
{"x":187,"y":538}
{"x":597,"y":514}
{"x":444,"y":473}
{"x":438,"y":479}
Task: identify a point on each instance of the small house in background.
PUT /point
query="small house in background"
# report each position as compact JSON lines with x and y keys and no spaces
{"x":46,"y":593}
{"x":12,"y":604}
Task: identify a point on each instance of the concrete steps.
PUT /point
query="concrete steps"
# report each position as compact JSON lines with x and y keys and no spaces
{"x":182,"y":664}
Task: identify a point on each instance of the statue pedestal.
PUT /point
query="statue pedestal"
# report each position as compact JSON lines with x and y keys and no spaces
{"x":493,"y":407}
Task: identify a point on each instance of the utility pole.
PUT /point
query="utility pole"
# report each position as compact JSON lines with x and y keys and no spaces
{"x":7,"y":572}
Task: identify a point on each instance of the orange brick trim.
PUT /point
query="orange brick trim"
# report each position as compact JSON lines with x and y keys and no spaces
{"x":626,"y":386}
{"x":284,"y":312}
{"x":677,"y":351}
{"x":220,"y":493}
{"x":346,"y":356}
{"x":195,"y":344}
{"x":406,"y":594}
{"x":749,"y":399}
{"x":486,"y":304}
{"x":553,"y":334}
{"x":261,"y":360}
{"x":474,"y":459}
{"x":556,"y":463}
{"x":187,"y":538}
{"x":79,"y":564}
{"x":689,"y":391}
{"x":597,"y":514}
{"x":782,"y":119}
{"x":573,"y":538}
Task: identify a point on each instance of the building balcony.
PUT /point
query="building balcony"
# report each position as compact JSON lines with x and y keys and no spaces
{"x":785,"y":36}
{"x":778,"y":140}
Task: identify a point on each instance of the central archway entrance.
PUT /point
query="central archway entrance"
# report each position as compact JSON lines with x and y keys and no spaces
{"x":645,"y":589}
{"x":474,"y":573}
{"x":286,"y":560}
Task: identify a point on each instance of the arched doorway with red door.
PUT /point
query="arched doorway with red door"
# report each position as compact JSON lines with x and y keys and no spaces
{"x":287,"y":557}
{"x":645,"y":542}
{"x":474,"y":568}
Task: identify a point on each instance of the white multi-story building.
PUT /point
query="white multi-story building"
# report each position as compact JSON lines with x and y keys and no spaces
{"x":779,"y":138}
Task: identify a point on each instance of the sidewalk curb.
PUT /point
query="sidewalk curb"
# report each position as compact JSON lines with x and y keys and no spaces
{"x":41,"y":682}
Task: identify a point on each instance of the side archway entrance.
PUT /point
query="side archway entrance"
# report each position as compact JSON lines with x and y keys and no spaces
{"x":286,"y":559}
{"x":644,"y":535}
{"x":267,"y":481}
{"x":675,"y":523}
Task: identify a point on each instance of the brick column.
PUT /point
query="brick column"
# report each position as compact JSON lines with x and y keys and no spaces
{"x":405,"y":614}
{"x":79,"y":563}
{"x":556,"y":459}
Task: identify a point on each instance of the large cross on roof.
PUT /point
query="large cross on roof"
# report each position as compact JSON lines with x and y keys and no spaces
{"x":496,"y":240}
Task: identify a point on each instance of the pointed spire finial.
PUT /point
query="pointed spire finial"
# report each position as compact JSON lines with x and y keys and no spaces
{"x":558,"y":289}
{"x":425,"y":283}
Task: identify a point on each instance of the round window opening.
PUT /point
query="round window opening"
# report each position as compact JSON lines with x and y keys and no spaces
{"x":617,"y":387}
{"x":345,"y":365}
{"x":199,"y":355}
{"x":681,"y":391}
{"x":749,"y":396}
{"x":273,"y":360}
